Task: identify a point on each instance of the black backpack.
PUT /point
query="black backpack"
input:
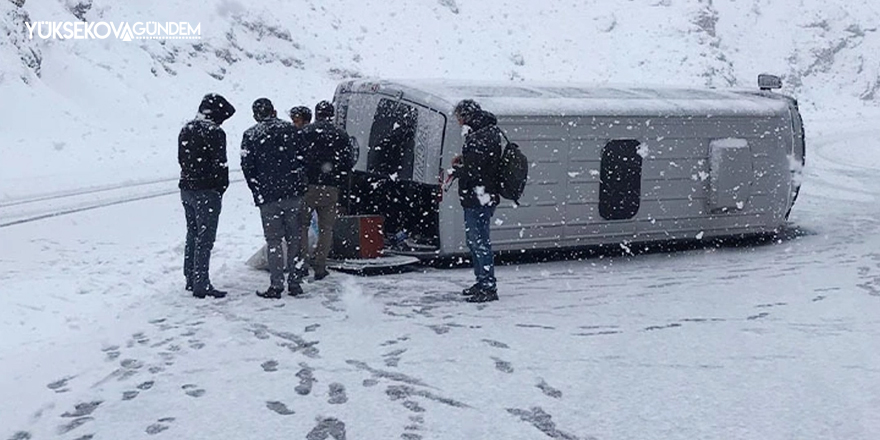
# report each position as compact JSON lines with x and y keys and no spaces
{"x":513,"y":172}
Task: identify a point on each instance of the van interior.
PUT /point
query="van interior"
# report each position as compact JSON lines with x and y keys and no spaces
{"x":391,"y":185}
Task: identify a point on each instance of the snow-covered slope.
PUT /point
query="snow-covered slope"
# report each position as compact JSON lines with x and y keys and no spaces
{"x":77,"y":113}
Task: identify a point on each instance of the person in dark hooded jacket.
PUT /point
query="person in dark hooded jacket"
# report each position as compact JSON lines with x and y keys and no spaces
{"x":204,"y":177}
{"x":477,"y":169}
{"x":272,"y":165}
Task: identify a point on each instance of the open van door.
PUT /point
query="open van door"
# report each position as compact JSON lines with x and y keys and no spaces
{"x":396,"y":175}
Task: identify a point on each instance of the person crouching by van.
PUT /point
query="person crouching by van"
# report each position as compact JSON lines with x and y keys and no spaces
{"x":270,"y":152}
{"x":476,"y":170}
{"x":300,"y":116}
{"x":328,"y":164}
{"x":204,"y":177}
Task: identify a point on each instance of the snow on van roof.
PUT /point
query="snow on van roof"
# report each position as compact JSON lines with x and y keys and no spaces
{"x":563,"y":99}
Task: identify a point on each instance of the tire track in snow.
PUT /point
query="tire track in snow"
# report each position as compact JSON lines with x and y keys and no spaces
{"x":91,"y":190}
{"x":82,"y":191}
{"x":54,"y":206}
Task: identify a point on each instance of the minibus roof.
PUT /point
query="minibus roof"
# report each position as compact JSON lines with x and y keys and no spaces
{"x":570,"y":99}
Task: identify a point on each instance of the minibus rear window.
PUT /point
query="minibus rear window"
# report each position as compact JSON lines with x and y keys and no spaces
{"x":392,"y":139}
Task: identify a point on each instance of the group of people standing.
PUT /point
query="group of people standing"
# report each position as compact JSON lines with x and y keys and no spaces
{"x":292,"y":169}
{"x":296,"y":168}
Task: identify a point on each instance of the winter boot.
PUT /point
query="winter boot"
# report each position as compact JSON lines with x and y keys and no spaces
{"x":473,"y":290}
{"x":294,"y":289}
{"x":212,"y":292}
{"x":485,"y":295}
{"x":271,"y":293}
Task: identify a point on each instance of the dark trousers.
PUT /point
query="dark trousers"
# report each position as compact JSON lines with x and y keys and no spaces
{"x":202,"y":209}
{"x":281,"y":222}
{"x":476,"y":230}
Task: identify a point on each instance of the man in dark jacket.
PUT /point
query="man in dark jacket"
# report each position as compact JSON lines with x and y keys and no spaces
{"x":476,"y":169}
{"x":328,"y":163}
{"x":300,"y":116}
{"x":270,"y":161}
{"x":204,"y":177}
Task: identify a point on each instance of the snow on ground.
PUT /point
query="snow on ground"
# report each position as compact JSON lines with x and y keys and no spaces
{"x":771,"y":342}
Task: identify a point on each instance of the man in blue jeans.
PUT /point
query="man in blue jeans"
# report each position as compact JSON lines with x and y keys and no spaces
{"x":476,"y":169}
{"x":204,"y":177}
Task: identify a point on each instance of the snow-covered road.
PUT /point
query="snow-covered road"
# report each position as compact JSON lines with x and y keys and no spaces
{"x":770,"y":342}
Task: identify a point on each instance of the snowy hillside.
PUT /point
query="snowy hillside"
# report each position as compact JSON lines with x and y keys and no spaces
{"x":78,"y":113}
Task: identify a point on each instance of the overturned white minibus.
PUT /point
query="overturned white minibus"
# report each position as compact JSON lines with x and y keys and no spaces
{"x":607,"y":164}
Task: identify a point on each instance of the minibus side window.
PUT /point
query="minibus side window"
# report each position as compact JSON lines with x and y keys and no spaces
{"x":620,"y":190}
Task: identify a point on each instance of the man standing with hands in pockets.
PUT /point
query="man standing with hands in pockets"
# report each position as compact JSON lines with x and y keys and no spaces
{"x":272,"y":166}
